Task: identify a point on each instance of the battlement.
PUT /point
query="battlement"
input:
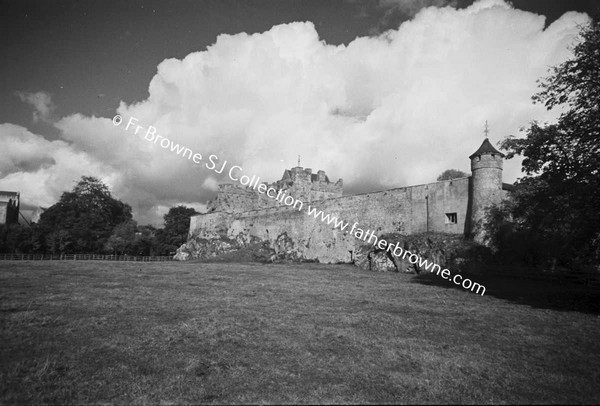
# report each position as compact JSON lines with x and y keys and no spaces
{"x":298,"y":182}
{"x":244,"y":214}
{"x":318,"y":180}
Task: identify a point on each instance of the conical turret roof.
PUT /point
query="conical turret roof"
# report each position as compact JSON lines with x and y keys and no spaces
{"x":486,"y":148}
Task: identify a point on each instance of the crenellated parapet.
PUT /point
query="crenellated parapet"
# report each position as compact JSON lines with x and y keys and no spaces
{"x":298,"y":182}
{"x":308,"y":186}
{"x":241,"y":215}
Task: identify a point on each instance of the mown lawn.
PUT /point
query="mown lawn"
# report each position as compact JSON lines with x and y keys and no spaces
{"x":172,"y":333}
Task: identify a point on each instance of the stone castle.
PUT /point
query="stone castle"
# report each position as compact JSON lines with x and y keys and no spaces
{"x":240,"y":215}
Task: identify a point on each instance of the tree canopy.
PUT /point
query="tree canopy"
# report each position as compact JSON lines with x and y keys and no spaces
{"x":559,"y":196}
{"x":89,"y":219}
{"x":450,"y":174}
{"x":82,"y":220}
{"x":123,"y":238}
{"x":177,"y":225}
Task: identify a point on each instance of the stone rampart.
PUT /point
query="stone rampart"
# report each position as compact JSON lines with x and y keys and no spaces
{"x":298,"y":182}
{"x":406,"y":210}
{"x":242,"y":216}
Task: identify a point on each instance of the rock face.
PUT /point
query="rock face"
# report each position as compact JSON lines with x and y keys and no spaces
{"x":241,"y":249}
{"x":447,"y":250}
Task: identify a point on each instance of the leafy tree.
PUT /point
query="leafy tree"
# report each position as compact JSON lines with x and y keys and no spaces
{"x":450,"y":174}
{"x":82,"y":220}
{"x":16,"y":238}
{"x":163,"y":246}
{"x":123,"y":238}
{"x":59,"y":242}
{"x":177,"y":225}
{"x":145,"y":242}
{"x":557,"y":200}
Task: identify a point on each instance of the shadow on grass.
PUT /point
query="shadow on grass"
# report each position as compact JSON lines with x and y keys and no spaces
{"x":535,"y":293}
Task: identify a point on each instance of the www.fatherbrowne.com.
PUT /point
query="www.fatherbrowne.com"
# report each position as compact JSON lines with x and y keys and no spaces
{"x":397,"y":251}
{"x":262,"y":188}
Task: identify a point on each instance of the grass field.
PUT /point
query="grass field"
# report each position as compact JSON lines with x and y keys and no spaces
{"x":171,"y":333}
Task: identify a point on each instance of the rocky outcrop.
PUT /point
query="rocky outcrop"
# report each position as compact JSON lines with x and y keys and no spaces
{"x":447,"y":250}
{"x":242,"y":248}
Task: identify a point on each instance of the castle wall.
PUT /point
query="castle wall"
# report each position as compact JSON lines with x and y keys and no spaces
{"x":405,"y":210}
{"x":209,"y":225}
{"x":300,"y":183}
{"x":233,"y":198}
{"x":9,"y":207}
{"x":446,"y":198}
{"x":455,"y":206}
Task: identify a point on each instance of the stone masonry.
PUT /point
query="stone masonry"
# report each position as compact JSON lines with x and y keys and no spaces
{"x":240,"y":216}
{"x":9,"y":207}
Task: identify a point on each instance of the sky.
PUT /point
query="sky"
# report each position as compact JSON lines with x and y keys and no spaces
{"x":381,"y":93}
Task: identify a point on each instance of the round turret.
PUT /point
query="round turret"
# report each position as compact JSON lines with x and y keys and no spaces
{"x":486,"y":184}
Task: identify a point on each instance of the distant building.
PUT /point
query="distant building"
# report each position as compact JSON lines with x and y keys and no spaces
{"x":9,"y":207}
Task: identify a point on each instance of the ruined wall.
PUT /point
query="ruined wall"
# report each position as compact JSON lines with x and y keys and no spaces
{"x":405,"y":210}
{"x":447,"y":198}
{"x":298,"y":182}
{"x":456,"y":207}
{"x":233,"y":198}
{"x":9,"y":207}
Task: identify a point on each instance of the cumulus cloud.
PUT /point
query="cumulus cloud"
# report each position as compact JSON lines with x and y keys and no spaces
{"x":400,"y":10}
{"x":23,"y":151}
{"x":386,"y":111}
{"x":42,"y":103}
{"x":413,"y":6}
{"x":40,"y":169}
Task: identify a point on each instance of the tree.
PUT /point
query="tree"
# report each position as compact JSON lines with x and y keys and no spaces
{"x":123,"y":238}
{"x":450,"y":174}
{"x":558,"y":198}
{"x":146,"y":243}
{"x":16,"y":238}
{"x":177,"y":225}
{"x":82,"y":220}
{"x":59,"y":242}
{"x":570,"y":149}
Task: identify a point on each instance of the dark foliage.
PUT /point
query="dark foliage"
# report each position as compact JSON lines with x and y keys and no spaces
{"x":145,"y":242}
{"x":82,"y":220}
{"x":554,"y":216}
{"x":16,"y":239}
{"x":177,"y":225}
{"x":123,"y":238}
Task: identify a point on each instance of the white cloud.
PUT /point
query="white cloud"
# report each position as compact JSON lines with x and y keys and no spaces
{"x":42,"y":102}
{"x":382,"y":112}
{"x":411,"y":7}
{"x":211,"y":184}
{"x":42,"y":170}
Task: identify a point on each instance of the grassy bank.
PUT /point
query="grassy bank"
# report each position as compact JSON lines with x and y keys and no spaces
{"x":102,"y":332}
